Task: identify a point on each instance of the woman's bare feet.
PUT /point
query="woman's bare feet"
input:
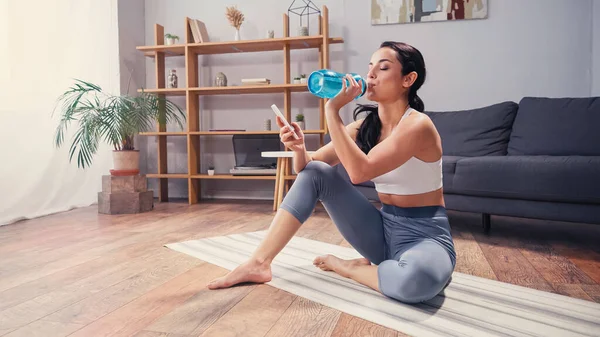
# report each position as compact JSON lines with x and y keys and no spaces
{"x":341,"y":267}
{"x":249,"y":271}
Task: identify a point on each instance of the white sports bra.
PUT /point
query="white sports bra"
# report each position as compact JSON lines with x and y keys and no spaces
{"x":413,"y":177}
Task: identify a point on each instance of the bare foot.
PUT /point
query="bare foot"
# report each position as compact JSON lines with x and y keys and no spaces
{"x":342,"y":267}
{"x":249,"y":271}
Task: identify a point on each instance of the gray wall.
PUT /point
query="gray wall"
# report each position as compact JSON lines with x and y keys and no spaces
{"x":534,"y":47}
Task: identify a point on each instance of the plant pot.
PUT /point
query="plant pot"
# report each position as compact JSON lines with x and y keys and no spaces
{"x":126,"y":163}
{"x":303,"y":80}
{"x":301,"y":125}
{"x":296,"y":81}
{"x":170,"y":41}
{"x":211,"y":172}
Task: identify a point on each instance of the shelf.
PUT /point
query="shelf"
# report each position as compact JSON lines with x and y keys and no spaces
{"x":193,"y":92}
{"x":172,"y":50}
{"x":249,"y":89}
{"x":231,"y":90}
{"x":243,"y":46}
{"x":222,"y":133}
{"x":166,"y":92}
{"x":168,"y":175}
{"x":163,"y":133}
{"x":231,"y":176}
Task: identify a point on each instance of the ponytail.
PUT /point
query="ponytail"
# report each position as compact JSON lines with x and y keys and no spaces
{"x":415,"y":101}
{"x":370,"y":129}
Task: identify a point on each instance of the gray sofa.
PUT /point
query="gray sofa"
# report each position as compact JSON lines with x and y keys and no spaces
{"x":536,"y":159}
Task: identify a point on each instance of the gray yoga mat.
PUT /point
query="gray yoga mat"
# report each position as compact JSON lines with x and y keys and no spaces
{"x":469,"y":306}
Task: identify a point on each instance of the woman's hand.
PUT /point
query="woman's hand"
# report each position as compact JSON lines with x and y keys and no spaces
{"x":287,"y":138}
{"x":347,"y":94}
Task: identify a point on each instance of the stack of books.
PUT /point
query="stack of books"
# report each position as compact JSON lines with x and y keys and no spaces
{"x":256,"y":81}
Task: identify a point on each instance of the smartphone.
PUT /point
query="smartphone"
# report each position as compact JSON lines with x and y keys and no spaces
{"x":285,"y":122}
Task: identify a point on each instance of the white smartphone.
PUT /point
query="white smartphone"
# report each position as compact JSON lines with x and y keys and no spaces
{"x":285,"y":122}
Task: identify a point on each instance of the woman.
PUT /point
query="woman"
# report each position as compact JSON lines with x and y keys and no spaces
{"x":407,"y":246}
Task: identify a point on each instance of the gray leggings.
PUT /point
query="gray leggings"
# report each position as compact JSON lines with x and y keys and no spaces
{"x":412,"y":247}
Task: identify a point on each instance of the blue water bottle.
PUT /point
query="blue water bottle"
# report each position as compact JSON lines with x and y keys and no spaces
{"x":327,"y":83}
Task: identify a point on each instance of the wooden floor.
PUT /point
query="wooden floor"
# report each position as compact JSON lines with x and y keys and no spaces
{"x":79,"y":273}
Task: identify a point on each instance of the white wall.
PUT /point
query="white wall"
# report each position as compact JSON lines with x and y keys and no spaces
{"x":42,"y":51}
{"x":534,"y":47}
{"x":131,"y":61}
{"x":596,"y":48}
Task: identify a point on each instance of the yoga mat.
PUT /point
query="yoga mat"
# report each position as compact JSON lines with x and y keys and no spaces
{"x":469,"y":306}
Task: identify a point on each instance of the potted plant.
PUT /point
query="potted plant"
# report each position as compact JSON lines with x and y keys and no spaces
{"x":171,"y":39}
{"x":112,"y":119}
{"x":211,"y":170}
{"x":296,"y":80}
{"x":300,"y":120}
{"x":303,"y":79}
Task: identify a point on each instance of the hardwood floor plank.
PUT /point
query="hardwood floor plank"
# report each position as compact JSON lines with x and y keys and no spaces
{"x":138,"y":314}
{"x":470,"y":259}
{"x":175,"y":223}
{"x":158,"y":334}
{"x":509,"y":264}
{"x":99,"y":304}
{"x":253,"y":316}
{"x":572,"y":290}
{"x":51,"y":302}
{"x":200,"y":311}
{"x":305,"y":318}
{"x":350,"y":326}
{"x":556,"y":269}
{"x":586,"y":260}
{"x":592,"y":291}
{"x":44,"y":328}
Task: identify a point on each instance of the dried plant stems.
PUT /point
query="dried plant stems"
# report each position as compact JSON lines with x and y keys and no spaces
{"x":234,"y":16}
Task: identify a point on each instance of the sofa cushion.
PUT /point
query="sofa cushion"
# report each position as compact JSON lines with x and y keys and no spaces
{"x":448,"y":169}
{"x":545,"y":178}
{"x":476,"y":132}
{"x":556,"y":126}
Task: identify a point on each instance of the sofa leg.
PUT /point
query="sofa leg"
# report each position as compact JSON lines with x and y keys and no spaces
{"x":487,"y":223}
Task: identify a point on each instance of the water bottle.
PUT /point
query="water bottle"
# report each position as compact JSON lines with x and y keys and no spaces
{"x":327,"y":83}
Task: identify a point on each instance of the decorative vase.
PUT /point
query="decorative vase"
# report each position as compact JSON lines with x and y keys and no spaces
{"x":267,"y":125}
{"x":126,"y":163}
{"x":237,"y":35}
{"x":270,"y":34}
{"x":220,"y":80}
{"x":303,"y":31}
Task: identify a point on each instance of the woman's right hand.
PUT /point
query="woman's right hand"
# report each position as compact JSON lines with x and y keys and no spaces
{"x":287,"y":138}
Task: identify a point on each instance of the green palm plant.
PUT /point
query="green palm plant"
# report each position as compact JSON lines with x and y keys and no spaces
{"x":113,"y":119}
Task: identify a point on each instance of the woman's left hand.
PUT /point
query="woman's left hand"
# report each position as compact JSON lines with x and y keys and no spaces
{"x":347,"y":94}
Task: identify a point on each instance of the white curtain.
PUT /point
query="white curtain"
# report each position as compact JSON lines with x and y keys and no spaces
{"x":44,"y":45}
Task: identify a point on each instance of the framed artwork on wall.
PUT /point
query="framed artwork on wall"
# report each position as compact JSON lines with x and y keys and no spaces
{"x":384,"y":12}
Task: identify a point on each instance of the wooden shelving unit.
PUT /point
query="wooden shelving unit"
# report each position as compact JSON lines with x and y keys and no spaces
{"x":193,"y":93}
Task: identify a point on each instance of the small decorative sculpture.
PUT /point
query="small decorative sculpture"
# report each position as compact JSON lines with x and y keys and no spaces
{"x":220,"y":80}
{"x":173,"y":79}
